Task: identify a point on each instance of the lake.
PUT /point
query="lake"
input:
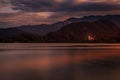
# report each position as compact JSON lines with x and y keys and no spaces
{"x":40,"y":61}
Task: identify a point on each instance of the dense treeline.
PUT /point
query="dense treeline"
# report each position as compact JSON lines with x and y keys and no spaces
{"x":25,"y":38}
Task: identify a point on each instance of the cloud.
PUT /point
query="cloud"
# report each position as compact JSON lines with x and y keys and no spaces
{"x":58,"y":5}
{"x":7,"y":7}
{"x":91,"y":7}
{"x":25,"y":18}
{"x":52,"y":6}
{"x":30,"y":5}
{"x":33,"y":12}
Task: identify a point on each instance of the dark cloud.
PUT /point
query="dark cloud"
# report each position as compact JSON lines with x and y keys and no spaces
{"x":33,"y":5}
{"x":52,"y":6}
{"x":25,"y":12}
{"x":62,"y":6}
{"x":90,"y":7}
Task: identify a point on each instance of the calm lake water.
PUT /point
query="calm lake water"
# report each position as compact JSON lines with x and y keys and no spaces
{"x":59,"y":61}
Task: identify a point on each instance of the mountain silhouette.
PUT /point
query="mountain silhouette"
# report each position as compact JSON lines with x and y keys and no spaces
{"x":85,"y":29}
{"x":44,"y":29}
{"x":100,"y":31}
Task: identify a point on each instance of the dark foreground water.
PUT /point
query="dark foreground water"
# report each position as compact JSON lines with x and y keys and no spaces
{"x":59,"y":61}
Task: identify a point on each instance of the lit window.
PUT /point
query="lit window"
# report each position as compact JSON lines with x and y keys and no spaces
{"x":90,"y":38}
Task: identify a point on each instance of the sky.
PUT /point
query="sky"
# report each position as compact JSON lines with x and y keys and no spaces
{"x":34,"y":12}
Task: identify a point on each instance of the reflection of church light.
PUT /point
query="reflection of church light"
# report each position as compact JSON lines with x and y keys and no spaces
{"x":90,"y":38}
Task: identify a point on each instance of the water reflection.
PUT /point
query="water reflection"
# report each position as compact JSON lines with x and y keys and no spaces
{"x":59,"y":62}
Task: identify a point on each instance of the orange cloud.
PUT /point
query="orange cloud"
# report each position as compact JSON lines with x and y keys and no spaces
{"x":43,"y":15}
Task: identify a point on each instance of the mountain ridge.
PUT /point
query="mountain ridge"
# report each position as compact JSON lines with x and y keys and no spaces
{"x":101,"y":28}
{"x":44,"y":29}
{"x":79,"y":32}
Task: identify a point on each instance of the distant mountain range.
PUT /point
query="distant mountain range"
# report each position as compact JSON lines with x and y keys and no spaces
{"x":98,"y":31}
{"x":85,"y":29}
